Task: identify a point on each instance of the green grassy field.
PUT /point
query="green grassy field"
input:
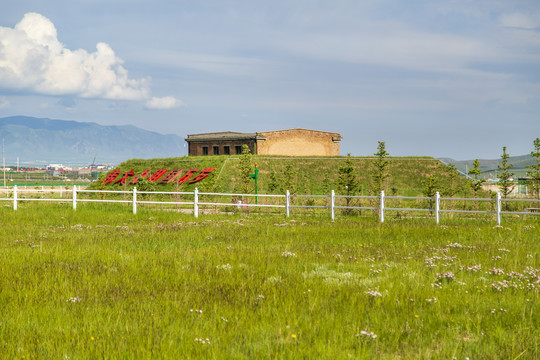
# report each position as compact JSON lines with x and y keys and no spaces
{"x":100,"y":282}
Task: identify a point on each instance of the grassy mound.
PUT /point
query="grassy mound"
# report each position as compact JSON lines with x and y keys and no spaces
{"x":308,"y":175}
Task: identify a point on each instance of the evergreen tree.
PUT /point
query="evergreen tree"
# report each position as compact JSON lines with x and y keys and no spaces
{"x":326,"y":184}
{"x":380,"y":171}
{"x":453,"y":175}
{"x":430,"y":186}
{"x":245,"y":169}
{"x":429,"y":190}
{"x":347,"y":181}
{"x":288,"y":179}
{"x":477,"y":182}
{"x":534,"y":170}
{"x":273,"y":184}
{"x":504,"y":177}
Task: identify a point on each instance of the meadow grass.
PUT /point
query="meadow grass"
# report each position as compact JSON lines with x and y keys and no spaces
{"x":101,"y":282}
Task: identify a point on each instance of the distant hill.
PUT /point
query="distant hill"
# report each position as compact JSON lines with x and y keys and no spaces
{"x":489,"y":167}
{"x":40,"y":141}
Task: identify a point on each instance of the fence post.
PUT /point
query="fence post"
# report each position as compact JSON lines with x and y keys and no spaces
{"x":61,"y":191}
{"x":287,"y":202}
{"x":332,"y":203}
{"x":437,"y":206}
{"x":196,"y":203}
{"x":134,"y":200}
{"x":498,"y":206}
{"x":15,"y":197}
{"x":381,"y":207}
{"x":74,"y":197}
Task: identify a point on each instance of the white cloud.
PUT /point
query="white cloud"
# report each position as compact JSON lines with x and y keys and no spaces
{"x":4,"y":103}
{"x":163,"y":103}
{"x":521,"y":21}
{"x":33,"y":59}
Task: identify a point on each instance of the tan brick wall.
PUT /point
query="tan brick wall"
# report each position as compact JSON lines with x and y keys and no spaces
{"x":298,"y":142}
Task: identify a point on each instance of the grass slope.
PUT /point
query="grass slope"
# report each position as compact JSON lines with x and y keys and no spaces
{"x":101,"y":283}
{"x":311,"y":175}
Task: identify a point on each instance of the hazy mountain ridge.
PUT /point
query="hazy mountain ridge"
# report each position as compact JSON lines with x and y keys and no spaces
{"x":490,"y":166}
{"x":40,"y":140}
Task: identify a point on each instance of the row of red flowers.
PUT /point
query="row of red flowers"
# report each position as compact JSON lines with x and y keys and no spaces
{"x":161,"y":176}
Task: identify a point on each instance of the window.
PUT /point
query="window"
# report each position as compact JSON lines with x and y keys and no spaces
{"x":205,"y":150}
{"x":216,"y":150}
{"x":227,"y":150}
{"x":238,"y":150}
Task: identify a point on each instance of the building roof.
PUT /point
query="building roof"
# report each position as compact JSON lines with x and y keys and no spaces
{"x":296,"y":129}
{"x":221,"y":136}
{"x":231,"y":136}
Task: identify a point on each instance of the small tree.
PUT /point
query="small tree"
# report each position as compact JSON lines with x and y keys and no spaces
{"x":326,"y":184}
{"x":288,"y":179}
{"x":245,"y":169}
{"x":534,"y":170}
{"x":477,"y":182}
{"x":504,"y":177}
{"x":273,"y":184}
{"x":453,"y":175}
{"x":380,"y":170}
{"x":347,"y":181}
{"x":429,"y":191}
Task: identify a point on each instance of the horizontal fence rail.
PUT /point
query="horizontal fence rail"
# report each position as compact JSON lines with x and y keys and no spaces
{"x":196,"y":199}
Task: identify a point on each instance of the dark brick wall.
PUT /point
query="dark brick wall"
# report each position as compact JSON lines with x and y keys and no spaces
{"x":196,"y":149}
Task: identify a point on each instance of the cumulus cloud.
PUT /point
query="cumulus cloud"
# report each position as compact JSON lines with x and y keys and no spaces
{"x":33,"y":59}
{"x":163,"y":103}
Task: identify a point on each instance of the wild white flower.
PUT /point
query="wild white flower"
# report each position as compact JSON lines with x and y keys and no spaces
{"x":446,"y":276}
{"x":203,"y":341}
{"x":288,"y":254}
{"x":369,"y":334}
{"x":473,"y":268}
{"x":373,"y":293}
{"x":226,"y":267}
{"x":496,"y":271}
{"x":74,"y":299}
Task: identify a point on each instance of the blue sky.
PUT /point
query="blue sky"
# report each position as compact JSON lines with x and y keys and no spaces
{"x":452,"y":78}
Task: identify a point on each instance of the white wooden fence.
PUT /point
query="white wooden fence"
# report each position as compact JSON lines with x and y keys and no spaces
{"x":13,"y":194}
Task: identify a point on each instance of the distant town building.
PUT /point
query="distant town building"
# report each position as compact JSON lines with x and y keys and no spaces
{"x":292,"y":142}
{"x":57,"y":167}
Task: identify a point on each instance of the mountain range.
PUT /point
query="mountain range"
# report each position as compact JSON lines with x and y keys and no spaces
{"x":40,"y":141}
{"x":489,"y":167}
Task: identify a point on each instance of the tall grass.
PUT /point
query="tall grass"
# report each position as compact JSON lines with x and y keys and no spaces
{"x":103,"y":283}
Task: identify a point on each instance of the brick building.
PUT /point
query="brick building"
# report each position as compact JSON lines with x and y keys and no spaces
{"x":293,"y":142}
